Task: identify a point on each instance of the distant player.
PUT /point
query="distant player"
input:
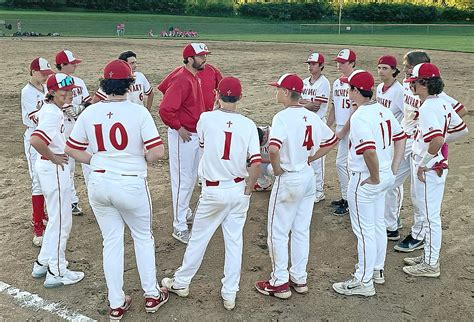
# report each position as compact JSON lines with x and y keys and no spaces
{"x":298,"y":136}
{"x":315,"y":97}
{"x":227,"y":138}
{"x":123,"y":138}
{"x":265,"y":179}
{"x":32,"y":98}
{"x":340,"y":114}
{"x":437,"y":123}
{"x":374,"y":133}
{"x":54,"y":176}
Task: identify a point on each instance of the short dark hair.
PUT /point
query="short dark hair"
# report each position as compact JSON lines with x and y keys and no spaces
{"x":185,"y":60}
{"x":230,"y":99}
{"x":126,"y":55}
{"x":59,"y":66}
{"x":416,"y":57}
{"x":116,"y":86}
{"x":396,"y":72}
{"x":49,"y":97}
{"x":260,"y":135}
{"x":363,"y":92}
{"x":435,"y":85}
{"x":295,"y":95}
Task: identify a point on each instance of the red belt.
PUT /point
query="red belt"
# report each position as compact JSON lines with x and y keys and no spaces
{"x":125,"y":175}
{"x":216,"y":183}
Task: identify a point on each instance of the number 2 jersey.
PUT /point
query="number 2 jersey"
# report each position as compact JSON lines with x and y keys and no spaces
{"x":117,"y":134}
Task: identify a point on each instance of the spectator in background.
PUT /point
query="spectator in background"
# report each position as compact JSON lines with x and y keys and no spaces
{"x":18,"y":26}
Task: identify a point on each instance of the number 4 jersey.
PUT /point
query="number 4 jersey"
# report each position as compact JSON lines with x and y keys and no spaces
{"x":117,"y":134}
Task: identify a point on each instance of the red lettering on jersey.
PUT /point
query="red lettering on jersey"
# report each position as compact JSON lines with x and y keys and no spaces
{"x":227,"y":142}
{"x":341,"y":92}
{"x":136,"y":88}
{"x":308,"y":138}
{"x":76,"y":91}
{"x":123,"y":135}
{"x":384,"y":101}
{"x":410,"y":100}
{"x":99,"y":137}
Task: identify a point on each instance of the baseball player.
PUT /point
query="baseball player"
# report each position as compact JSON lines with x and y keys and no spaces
{"x":227,"y":139}
{"x":180,"y":109}
{"x":340,"y":113}
{"x":376,"y":147}
{"x":54,"y":177}
{"x":32,"y":98}
{"x":298,"y":136}
{"x":315,"y":97}
{"x":123,"y":138}
{"x":265,"y":179}
{"x":66,"y":63}
{"x":390,"y":95}
{"x":140,"y":88}
{"x":437,"y":123}
{"x":415,"y":240}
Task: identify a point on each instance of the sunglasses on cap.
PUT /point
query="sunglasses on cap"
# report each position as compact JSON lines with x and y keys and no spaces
{"x":67,"y":81}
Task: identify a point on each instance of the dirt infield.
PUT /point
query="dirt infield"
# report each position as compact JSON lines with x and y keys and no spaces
{"x":333,"y":245}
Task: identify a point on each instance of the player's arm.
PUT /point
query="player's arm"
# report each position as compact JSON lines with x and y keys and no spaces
{"x":98,"y":96}
{"x":277,"y":135}
{"x":399,"y":139}
{"x":29,"y":105}
{"x":312,"y":106}
{"x":148,"y":91}
{"x":154,"y":148}
{"x":274,"y":152}
{"x":77,"y":143}
{"x":255,"y":161}
{"x":331,"y":115}
{"x":149,"y":100}
{"x":366,"y":147}
{"x":43,"y":149}
{"x":329,"y":141}
{"x":169,"y":108}
{"x":372,"y":162}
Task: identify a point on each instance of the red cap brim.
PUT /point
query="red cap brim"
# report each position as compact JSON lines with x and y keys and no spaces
{"x":410,"y":79}
{"x":76,"y":61}
{"x":340,"y":60}
{"x":275,"y":84}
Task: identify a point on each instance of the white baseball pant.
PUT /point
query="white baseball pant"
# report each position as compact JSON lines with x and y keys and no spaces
{"x":31,"y":157}
{"x":366,"y":204}
{"x":341,"y":162}
{"x":429,"y":196}
{"x":56,"y":186}
{"x":226,"y":205}
{"x":118,"y":201}
{"x":394,"y":196}
{"x":318,"y":168}
{"x":68,"y":126}
{"x":184,"y":160}
{"x":290,"y":209}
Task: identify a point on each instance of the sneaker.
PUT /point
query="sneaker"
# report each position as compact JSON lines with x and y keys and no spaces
{"x":409,"y":244}
{"x":354,"y":287}
{"x":342,"y":209}
{"x":68,"y":278}
{"x":337,"y":203}
{"x":410,"y":261}
{"x":37,"y":240}
{"x":182,"y":235}
{"x":153,"y":303}
{"x":228,"y":305}
{"x":393,"y":234}
{"x":319,"y":197}
{"x":282,"y":291}
{"x":39,"y":270}
{"x":168,"y":284}
{"x":379,"y":276}
{"x":423,"y":269}
{"x":117,"y":314}
{"x":258,"y":187}
{"x":76,"y":210}
{"x":299,"y":288}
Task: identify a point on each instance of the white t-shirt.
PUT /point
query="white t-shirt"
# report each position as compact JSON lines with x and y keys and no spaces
{"x":31,"y":101}
{"x":228,"y":139}
{"x":137,"y":92}
{"x":373,"y":126}
{"x":341,"y":101}
{"x":319,"y":91}
{"x":391,"y":98}
{"x":117,"y":134}
{"x":51,"y":127}
{"x":299,"y":133}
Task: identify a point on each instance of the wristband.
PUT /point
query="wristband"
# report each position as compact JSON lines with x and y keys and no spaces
{"x":426,"y":159}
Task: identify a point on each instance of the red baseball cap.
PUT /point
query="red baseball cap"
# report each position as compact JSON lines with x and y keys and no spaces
{"x":423,"y":70}
{"x":360,"y":79}
{"x":66,"y":57}
{"x":289,"y":81}
{"x":388,"y":60}
{"x":315,"y":58}
{"x":345,"y":55}
{"x":195,"y":49}
{"x":60,"y":81}
{"x":230,"y":86}
{"x":41,"y":65}
{"x":118,"y":69}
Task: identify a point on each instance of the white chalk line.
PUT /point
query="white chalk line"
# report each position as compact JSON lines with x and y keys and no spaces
{"x":34,"y":301}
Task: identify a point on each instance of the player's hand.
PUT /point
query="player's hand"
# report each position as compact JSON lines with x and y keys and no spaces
{"x":184,"y":134}
{"x":339,"y":135}
{"x":370,"y":180}
{"x":312,"y":106}
{"x":248,"y":191}
{"x":420,"y":173}
{"x":60,"y":159}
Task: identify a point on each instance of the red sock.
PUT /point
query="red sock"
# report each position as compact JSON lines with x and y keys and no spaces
{"x":38,"y":214}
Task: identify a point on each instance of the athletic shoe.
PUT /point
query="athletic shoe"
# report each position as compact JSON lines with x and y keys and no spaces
{"x":337,"y":203}
{"x":379,"y":276}
{"x":393,"y":235}
{"x":409,"y":244}
{"x":182,"y":235}
{"x":319,"y":197}
{"x":117,"y":314}
{"x":76,"y":210}
{"x":423,"y":269}
{"x":37,"y":240}
{"x":153,"y":303}
{"x":168,"y":284}
{"x":411,"y":261}
{"x":228,"y":305}
{"x":282,"y":291}
{"x":39,"y":270}
{"x":68,"y":278}
{"x":299,"y":288}
{"x":342,"y":209}
{"x":354,"y":287}
{"x":258,"y":187}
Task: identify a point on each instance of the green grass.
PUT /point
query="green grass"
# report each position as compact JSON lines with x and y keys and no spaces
{"x":92,"y":24}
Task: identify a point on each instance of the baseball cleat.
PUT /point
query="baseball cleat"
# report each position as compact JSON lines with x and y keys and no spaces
{"x":168,"y":284}
{"x":76,"y":210}
{"x":282,"y":291}
{"x":319,"y":197}
{"x":182,"y":235}
{"x":117,"y":313}
{"x":337,"y":203}
{"x":410,"y":261}
{"x":39,"y":270}
{"x":68,"y":278}
{"x":153,"y":303}
{"x":228,"y":305}
{"x":37,"y":240}
{"x":299,"y":288}
{"x":423,"y":269}
{"x":354,"y":287}
{"x":409,"y":244}
{"x":393,"y":235}
{"x":342,"y":209}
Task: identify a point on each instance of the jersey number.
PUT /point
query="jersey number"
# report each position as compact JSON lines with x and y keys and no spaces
{"x":141,"y":97}
{"x":447,"y":121}
{"x":346,"y":103}
{"x":308,"y":138}
{"x":387,"y":130}
{"x":117,"y":127}
{"x":228,"y":139}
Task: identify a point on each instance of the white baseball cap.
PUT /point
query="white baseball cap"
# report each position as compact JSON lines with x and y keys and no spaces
{"x":315,"y":58}
{"x":345,"y":55}
{"x":66,"y":57}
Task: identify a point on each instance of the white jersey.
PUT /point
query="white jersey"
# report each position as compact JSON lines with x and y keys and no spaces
{"x":80,"y":94}
{"x":299,"y":133}
{"x":51,"y":127}
{"x":373,"y":126}
{"x":138,"y":90}
{"x":31,"y":101}
{"x":341,"y":101}
{"x":228,"y":139}
{"x":319,"y":91}
{"x":117,"y":134}
{"x":436,"y":118}
{"x":391,"y":98}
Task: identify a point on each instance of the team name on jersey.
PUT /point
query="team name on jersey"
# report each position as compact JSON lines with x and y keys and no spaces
{"x":77,"y":92}
{"x":136,"y":88}
{"x":384,"y":101}
{"x":412,"y":101}
{"x":309,"y":91}
{"x":341,"y":92}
